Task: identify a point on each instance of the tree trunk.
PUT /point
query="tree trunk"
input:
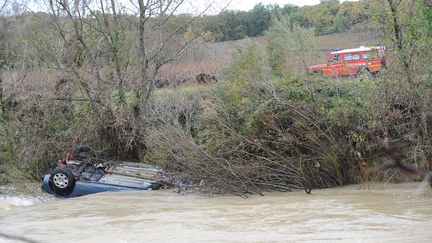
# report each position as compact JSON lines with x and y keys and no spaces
{"x":143,"y":62}
{"x":398,"y":34}
{"x":2,"y":103}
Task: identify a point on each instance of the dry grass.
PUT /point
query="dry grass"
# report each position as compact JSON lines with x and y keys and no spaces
{"x":214,"y":57}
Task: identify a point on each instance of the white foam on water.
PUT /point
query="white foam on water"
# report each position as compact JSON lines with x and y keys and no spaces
{"x":29,"y":195}
{"x":424,"y":186}
{"x":9,"y":202}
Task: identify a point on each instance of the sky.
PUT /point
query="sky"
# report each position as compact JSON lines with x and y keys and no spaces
{"x":197,"y":6}
{"x":249,"y":4}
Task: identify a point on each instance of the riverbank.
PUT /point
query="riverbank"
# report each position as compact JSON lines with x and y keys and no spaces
{"x":245,"y":119}
{"x":245,"y":136}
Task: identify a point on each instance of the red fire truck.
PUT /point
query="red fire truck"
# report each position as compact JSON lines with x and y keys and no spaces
{"x":366,"y":60}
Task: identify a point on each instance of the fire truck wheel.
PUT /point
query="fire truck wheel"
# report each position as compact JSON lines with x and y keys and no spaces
{"x":364,"y":73}
{"x":318,"y":73}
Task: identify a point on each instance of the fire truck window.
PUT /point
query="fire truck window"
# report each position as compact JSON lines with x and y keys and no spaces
{"x":334,"y":58}
{"x":356,"y":56}
{"x":348,"y":57}
{"x":368,"y":55}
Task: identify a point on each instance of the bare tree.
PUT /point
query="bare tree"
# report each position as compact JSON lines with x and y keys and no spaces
{"x":394,"y":6}
{"x":9,"y":10}
{"x":152,"y":58}
{"x":3,"y":35}
{"x":129,"y":43}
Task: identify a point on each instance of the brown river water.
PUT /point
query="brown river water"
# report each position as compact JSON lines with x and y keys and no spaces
{"x":372,"y":213}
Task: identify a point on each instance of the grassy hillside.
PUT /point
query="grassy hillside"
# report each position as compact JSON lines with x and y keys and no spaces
{"x":214,"y":57}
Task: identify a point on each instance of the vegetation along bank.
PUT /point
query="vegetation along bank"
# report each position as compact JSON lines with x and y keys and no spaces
{"x":239,"y":117}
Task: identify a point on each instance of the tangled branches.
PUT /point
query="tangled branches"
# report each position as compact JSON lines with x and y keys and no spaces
{"x":282,"y":146}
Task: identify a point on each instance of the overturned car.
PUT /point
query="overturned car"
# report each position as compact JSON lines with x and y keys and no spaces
{"x":78,"y":174}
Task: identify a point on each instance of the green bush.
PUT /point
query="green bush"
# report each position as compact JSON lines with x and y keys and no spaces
{"x":37,"y":133}
{"x":248,"y":64}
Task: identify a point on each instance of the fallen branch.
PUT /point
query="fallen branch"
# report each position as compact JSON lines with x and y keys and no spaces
{"x":74,"y":99}
{"x":396,"y":162}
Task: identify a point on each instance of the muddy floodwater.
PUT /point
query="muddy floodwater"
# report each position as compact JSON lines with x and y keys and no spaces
{"x":372,"y":213}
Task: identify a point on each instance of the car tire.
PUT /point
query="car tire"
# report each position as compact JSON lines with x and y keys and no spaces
{"x":84,"y":152}
{"x":83,"y":149}
{"x":62,"y":181}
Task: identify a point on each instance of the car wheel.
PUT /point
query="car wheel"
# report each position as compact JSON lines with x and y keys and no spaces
{"x":83,"y":149}
{"x":84,"y":152}
{"x":62,"y":181}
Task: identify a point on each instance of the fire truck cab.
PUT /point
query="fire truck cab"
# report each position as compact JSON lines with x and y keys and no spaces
{"x":352,"y":62}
